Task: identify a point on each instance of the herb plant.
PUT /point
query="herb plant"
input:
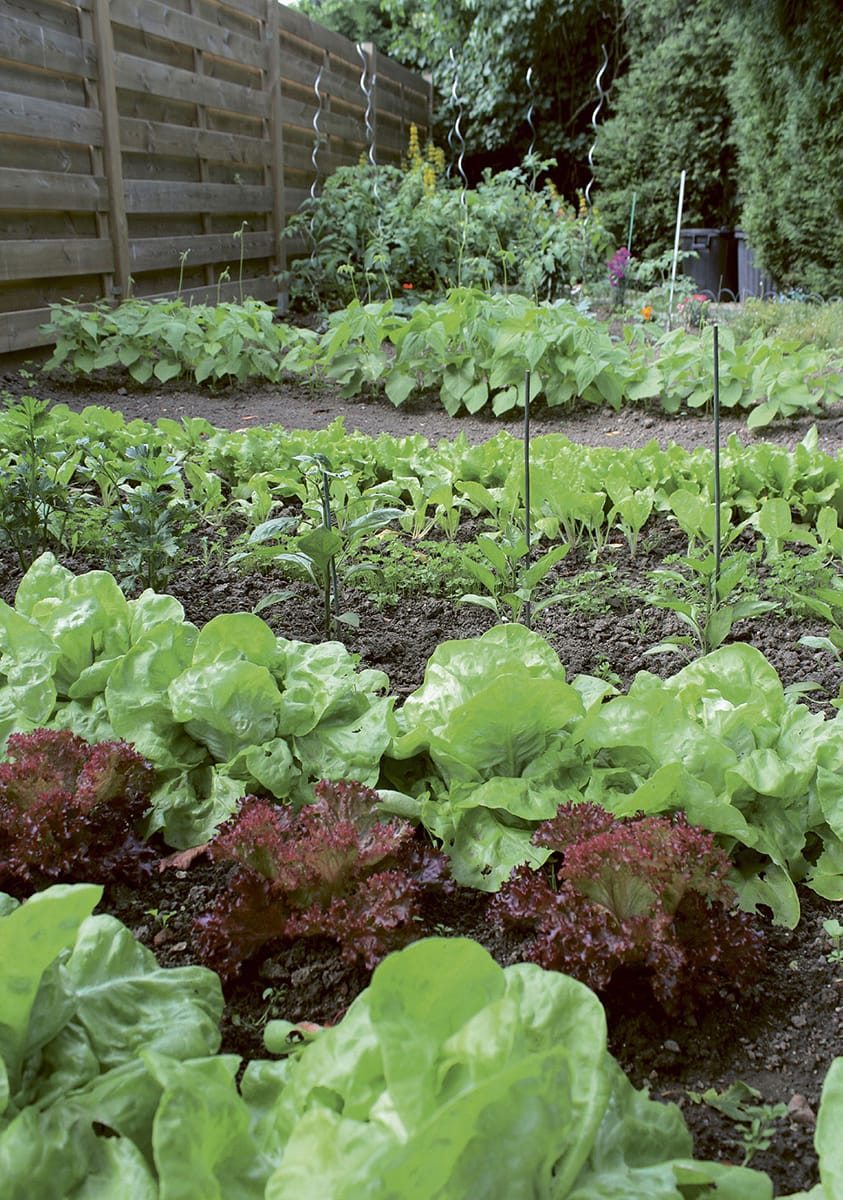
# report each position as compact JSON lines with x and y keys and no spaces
{"x":320,"y":552}
{"x":151,"y":518}
{"x":509,"y":578}
{"x":35,"y":502}
{"x":707,"y":597}
{"x":756,"y":1122}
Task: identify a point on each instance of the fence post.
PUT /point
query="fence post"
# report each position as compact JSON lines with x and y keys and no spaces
{"x":428,"y":78}
{"x":276,"y":133}
{"x":113,"y":161}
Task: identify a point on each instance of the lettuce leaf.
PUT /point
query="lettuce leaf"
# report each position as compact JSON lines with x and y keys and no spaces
{"x":451,"y":1077}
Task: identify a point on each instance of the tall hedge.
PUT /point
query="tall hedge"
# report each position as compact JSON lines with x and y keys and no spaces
{"x":787,"y":98}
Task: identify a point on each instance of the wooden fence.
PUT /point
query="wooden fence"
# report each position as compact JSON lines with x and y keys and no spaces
{"x":147,"y":148}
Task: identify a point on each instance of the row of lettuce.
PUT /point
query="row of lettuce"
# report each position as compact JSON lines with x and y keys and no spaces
{"x":448,"y":1076}
{"x":493,"y":741}
{"x":103,"y":1092}
{"x":472,"y":348}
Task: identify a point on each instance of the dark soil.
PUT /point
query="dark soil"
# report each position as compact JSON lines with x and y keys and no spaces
{"x":779,"y":1036}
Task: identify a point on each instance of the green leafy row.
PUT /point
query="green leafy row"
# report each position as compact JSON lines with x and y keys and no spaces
{"x":448,"y":1076}
{"x":473,"y":348}
{"x":58,"y":465}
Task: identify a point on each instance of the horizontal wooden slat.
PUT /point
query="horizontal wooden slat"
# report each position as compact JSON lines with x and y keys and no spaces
{"x":40,"y":46}
{"x":181,"y":141}
{"x":390,"y":71}
{"x":159,"y":20}
{"x":22,"y":330}
{"x":297,"y":70}
{"x":141,"y":75}
{"x":151,"y":196}
{"x":251,"y":8}
{"x":262,"y":288}
{"x":155,"y":254}
{"x":49,"y":257}
{"x":50,"y":191}
{"x":29,"y":117}
{"x":295,"y":25}
{"x":50,"y":15}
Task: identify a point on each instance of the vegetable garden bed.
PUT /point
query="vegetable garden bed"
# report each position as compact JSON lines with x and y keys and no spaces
{"x":777,"y":1034}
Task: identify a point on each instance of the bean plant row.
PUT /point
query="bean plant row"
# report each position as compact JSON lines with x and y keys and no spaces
{"x":472,"y":349}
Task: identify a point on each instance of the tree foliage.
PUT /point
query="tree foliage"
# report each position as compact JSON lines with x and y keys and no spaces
{"x":669,"y":112}
{"x":787,"y":90}
{"x":495,"y":44}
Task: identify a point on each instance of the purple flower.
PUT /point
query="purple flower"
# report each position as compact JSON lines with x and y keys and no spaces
{"x":617,"y":265}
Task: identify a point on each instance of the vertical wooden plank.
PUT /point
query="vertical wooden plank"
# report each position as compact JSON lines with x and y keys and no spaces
{"x":428,"y":78}
{"x":95,"y":153}
{"x":113,"y":161}
{"x":272,"y":81}
{"x":202,"y":123}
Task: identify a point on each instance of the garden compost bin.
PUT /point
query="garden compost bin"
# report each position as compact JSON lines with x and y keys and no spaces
{"x":751,"y":280}
{"x":714,"y":271}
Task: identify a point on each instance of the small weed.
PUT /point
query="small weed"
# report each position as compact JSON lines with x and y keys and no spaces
{"x":835,"y":931}
{"x":161,"y":916}
{"x":756,"y":1122}
{"x":594,"y":592}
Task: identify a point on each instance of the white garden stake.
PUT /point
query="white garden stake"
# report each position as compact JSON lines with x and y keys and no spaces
{"x":676,"y":247}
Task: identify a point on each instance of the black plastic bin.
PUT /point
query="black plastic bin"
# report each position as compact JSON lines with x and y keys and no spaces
{"x":751,"y":280}
{"x":715,"y":270}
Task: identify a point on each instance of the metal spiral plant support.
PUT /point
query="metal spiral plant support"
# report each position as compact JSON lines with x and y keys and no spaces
{"x":530,"y":111}
{"x":314,"y":158}
{"x":317,"y":139}
{"x":367,"y":87}
{"x":455,"y":137}
{"x":601,"y":95}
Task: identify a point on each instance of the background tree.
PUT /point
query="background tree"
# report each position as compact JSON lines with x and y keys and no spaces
{"x":747,"y":99}
{"x":670,"y":112}
{"x":787,"y":93}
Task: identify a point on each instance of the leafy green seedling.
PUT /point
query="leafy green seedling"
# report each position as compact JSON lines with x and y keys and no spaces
{"x":509,"y":580}
{"x":707,"y":603}
{"x":757,"y":1121}
{"x":322,"y":552}
{"x":835,"y":931}
{"x":160,"y":915}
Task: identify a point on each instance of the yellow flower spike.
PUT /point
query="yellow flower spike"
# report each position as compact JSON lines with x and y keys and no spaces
{"x":414,"y":152}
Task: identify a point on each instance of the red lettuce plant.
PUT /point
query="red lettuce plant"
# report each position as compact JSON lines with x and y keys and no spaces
{"x":332,"y":869}
{"x":644,"y":892}
{"x":68,"y":810}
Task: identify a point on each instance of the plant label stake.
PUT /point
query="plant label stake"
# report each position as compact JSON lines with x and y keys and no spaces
{"x":528,"y":608}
